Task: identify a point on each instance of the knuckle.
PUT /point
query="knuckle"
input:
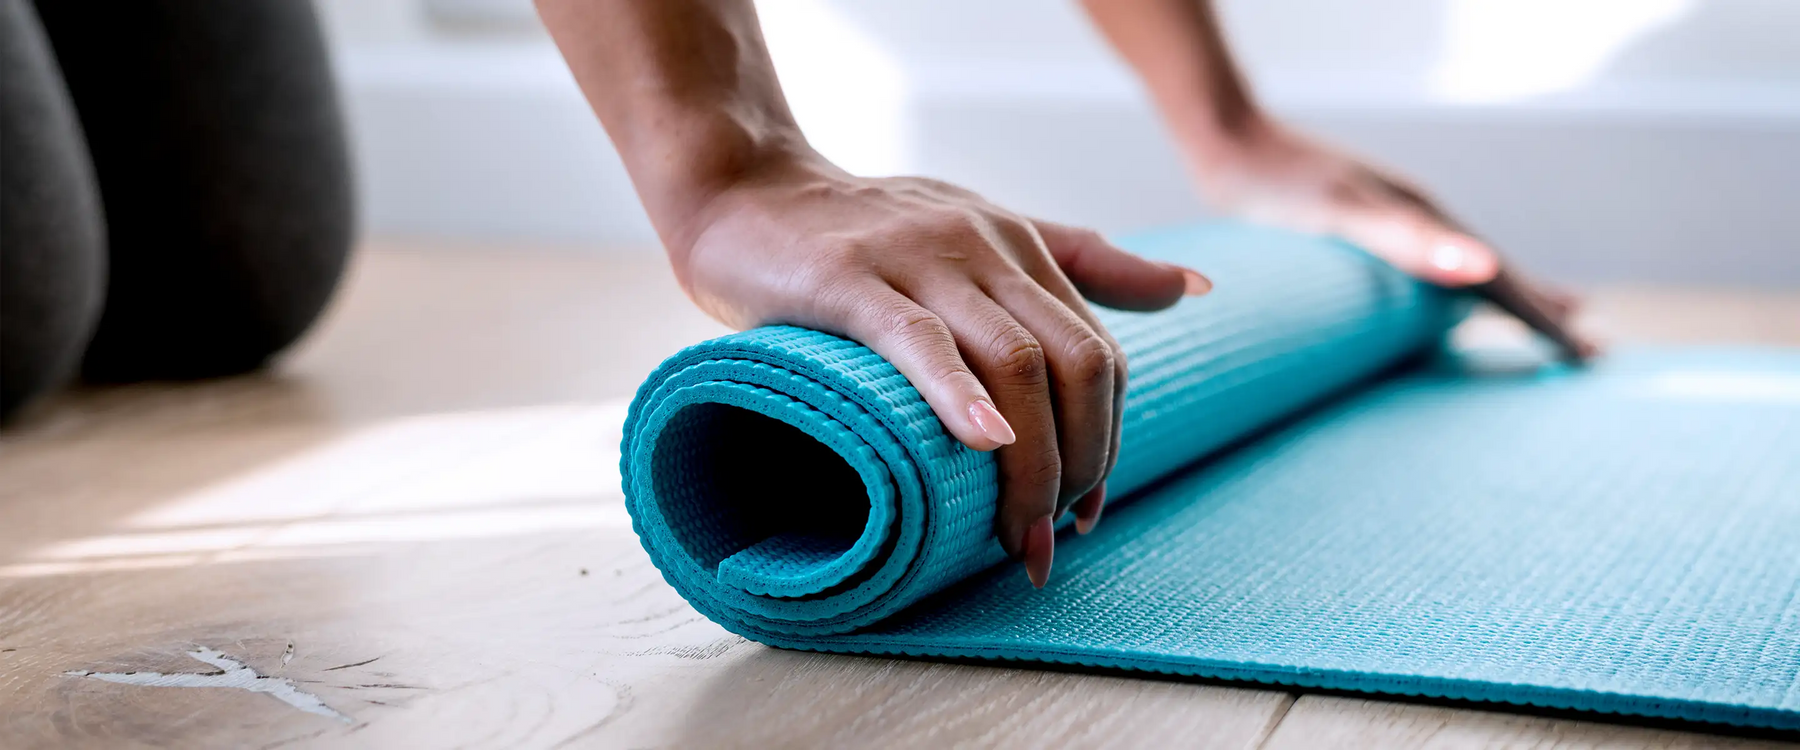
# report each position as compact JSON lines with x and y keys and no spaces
{"x":933,"y":184}
{"x":1009,"y":222}
{"x":1017,"y":354}
{"x":1091,"y":362}
{"x":852,"y":257}
{"x":990,"y":230}
{"x":913,"y":324}
{"x":953,"y":235}
{"x":1047,"y":471}
{"x":951,"y":224}
{"x":950,"y":370}
{"x":1015,"y":230}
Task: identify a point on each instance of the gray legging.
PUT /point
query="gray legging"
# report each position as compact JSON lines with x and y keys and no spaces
{"x":175,"y":193}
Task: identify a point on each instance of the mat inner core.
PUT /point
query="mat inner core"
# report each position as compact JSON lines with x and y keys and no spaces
{"x":729,"y":511}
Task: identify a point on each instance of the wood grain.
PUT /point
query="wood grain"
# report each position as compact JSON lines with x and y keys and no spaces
{"x":415,"y":518}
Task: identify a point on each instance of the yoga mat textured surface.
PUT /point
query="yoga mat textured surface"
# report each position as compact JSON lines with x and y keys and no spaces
{"x":1292,"y":509}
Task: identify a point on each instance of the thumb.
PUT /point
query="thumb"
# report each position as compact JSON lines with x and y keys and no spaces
{"x":1420,"y":245}
{"x":1112,"y":277}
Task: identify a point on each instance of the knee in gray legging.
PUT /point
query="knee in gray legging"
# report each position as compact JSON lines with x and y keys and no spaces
{"x":52,"y":244}
{"x":219,"y":148}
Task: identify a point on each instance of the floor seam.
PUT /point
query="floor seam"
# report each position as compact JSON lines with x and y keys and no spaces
{"x":1280,"y":714}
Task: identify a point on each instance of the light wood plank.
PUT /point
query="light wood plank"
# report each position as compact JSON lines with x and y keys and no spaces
{"x":416,"y":521}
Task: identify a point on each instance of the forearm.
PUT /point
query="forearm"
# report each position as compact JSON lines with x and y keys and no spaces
{"x":687,"y":92}
{"x":1179,"y":51}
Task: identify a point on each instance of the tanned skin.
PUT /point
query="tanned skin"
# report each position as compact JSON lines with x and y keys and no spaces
{"x":984,"y":310}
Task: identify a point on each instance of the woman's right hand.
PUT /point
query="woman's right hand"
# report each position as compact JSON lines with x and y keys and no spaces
{"x":981,"y":309}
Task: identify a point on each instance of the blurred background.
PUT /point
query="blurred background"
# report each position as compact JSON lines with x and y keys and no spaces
{"x":1595,"y":140}
{"x":429,"y":476}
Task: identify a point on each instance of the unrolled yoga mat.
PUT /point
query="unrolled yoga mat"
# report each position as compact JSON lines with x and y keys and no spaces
{"x":1299,"y":502}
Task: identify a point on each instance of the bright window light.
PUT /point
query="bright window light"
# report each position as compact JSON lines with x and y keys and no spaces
{"x":1505,"y":50}
{"x":464,"y":475}
{"x":847,"y":91}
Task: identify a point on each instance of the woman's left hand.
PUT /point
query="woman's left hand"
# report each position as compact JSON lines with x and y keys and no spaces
{"x":1270,"y":174}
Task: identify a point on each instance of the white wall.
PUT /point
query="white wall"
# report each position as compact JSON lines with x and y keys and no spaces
{"x":1595,"y":139}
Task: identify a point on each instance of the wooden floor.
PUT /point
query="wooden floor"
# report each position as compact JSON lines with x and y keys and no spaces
{"x":410,"y":534}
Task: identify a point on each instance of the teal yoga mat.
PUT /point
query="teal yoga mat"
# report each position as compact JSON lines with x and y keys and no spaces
{"x":1306,"y":495}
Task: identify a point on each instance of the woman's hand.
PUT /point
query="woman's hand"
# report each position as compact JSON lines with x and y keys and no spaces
{"x":980,"y":308}
{"x":1249,"y":164}
{"x":1270,"y":174}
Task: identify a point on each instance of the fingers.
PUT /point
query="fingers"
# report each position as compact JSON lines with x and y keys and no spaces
{"x":1082,"y":366}
{"x":1548,"y":313}
{"x":1087,"y":510}
{"x":1115,"y":278}
{"x":1017,"y":339}
{"x":1399,"y":225}
{"x":1015,"y":367}
{"x":922,"y":348}
{"x":1416,"y":241}
{"x":973,"y":361}
{"x":1073,"y":246}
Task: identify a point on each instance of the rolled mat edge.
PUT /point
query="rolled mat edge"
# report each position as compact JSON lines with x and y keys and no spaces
{"x":792,"y":486}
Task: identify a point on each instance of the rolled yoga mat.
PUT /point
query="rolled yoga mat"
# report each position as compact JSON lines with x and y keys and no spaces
{"x":1299,"y":501}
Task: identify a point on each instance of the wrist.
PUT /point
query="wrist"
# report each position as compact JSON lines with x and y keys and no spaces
{"x":695,"y":198}
{"x":685,"y":165}
{"x":1218,"y":139}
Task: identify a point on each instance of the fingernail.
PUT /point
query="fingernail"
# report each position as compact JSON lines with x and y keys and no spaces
{"x":1196,"y":284}
{"x":1449,"y":256}
{"x":1087,"y":512}
{"x":1039,"y":550}
{"x":988,"y":420}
